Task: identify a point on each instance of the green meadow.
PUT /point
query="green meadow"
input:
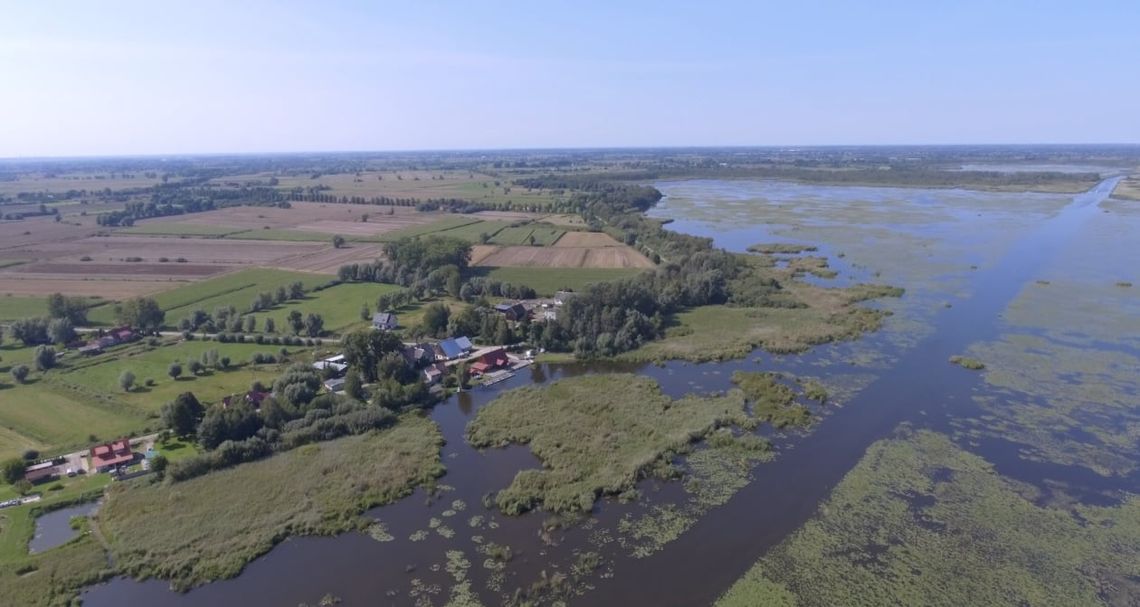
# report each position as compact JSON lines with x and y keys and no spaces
{"x":61,"y":408}
{"x":339,"y":306}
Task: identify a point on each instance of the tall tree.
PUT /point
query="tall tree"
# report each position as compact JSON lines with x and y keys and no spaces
{"x":314,"y":325}
{"x":142,"y":313}
{"x":44,"y":357}
{"x":182,"y":415}
{"x":296,"y":321}
{"x":61,"y":331}
{"x":126,"y":380}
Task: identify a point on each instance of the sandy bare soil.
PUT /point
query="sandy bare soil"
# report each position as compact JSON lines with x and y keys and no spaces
{"x":559,"y":256}
{"x":107,"y":288}
{"x":301,"y":214}
{"x":154,"y":270}
{"x":587,"y":239}
{"x":194,"y":250}
{"x":29,"y":232}
{"x":328,"y":260}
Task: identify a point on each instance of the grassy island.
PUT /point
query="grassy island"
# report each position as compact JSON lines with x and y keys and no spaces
{"x":595,"y":435}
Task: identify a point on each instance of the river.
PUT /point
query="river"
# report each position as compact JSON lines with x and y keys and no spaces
{"x":918,"y":386}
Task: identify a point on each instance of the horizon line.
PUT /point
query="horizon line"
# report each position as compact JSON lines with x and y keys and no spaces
{"x":472,"y":150}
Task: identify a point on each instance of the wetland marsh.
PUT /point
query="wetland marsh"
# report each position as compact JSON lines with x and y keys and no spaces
{"x":1045,"y":435}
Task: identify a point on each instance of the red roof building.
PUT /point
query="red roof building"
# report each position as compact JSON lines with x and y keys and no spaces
{"x":106,"y":457}
{"x":495,"y":359}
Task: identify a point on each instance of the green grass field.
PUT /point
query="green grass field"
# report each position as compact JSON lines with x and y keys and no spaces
{"x":238,"y":289}
{"x":177,"y":228}
{"x":450,"y":222}
{"x":100,"y":374}
{"x":58,"y":410}
{"x":548,"y":280}
{"x":15,"y":307}
{"x":473,"y":232}
{"x":543,"y":235}
{"x":339,"y":306}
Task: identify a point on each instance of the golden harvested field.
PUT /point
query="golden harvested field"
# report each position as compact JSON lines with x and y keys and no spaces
{"x":301,"y":213}
{"x":587,"y":239}
{"x":17,"y":234}
{"x":105,"y":249}
{"x":328,"y":259}
{"x":121,"y":270}
{"x":37,"y":285}
{"x":509,"y":216}
{"x":559,"y":256}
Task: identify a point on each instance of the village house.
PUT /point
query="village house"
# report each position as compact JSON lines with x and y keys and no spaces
{"x":384,"y":321}
{"x":514,"y":312}
{"x":434,"y":373}
{"x":109,"y":456}
{"x":252,"y":398}
{"x":331,"y":368}
{"x":490,"y":361}
{"x":418,"y":355}
{"x":334,"y":385}
{"x":453,"y":348}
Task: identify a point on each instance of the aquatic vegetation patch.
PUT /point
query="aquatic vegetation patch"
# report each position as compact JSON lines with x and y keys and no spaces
{"x":379,"y":532}
{"x":1068,"y":404}
{"x":919,"y":518}
{"x":595,"y":435}
{"x":781,"y":248}
{"x":816,"y":266}
{"x":967,"y":363}
{"x":772,"y":400}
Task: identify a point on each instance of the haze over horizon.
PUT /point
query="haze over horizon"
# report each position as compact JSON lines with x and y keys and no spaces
{"x":132,"y":78}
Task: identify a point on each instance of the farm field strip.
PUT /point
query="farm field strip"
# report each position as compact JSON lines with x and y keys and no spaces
{"x":83,"y":269}
{"x":328,"y":260}
{"x":441,"y":225}
{"x":560,"y":257}
{"x":543,"y":235}
{"x":587,"y":239}
{"x":180,"y":229}
{"x":41,"y":286}
{"x":549,"y":280}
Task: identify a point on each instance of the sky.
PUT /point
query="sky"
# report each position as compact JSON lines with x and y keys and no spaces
{"x":126,"y":78}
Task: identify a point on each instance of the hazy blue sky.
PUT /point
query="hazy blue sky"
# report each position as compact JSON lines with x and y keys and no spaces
{"x":82,"y":78}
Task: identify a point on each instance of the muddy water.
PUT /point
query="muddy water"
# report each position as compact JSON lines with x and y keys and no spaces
{"x":918,"y":386}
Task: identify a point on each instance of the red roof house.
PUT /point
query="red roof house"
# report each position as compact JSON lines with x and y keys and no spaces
{"x":106,"y":457}
{"x":495,"y":359}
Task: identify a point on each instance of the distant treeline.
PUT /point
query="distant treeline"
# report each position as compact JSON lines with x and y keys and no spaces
{"x":858,"y":174}
{"x":174,"y":200}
